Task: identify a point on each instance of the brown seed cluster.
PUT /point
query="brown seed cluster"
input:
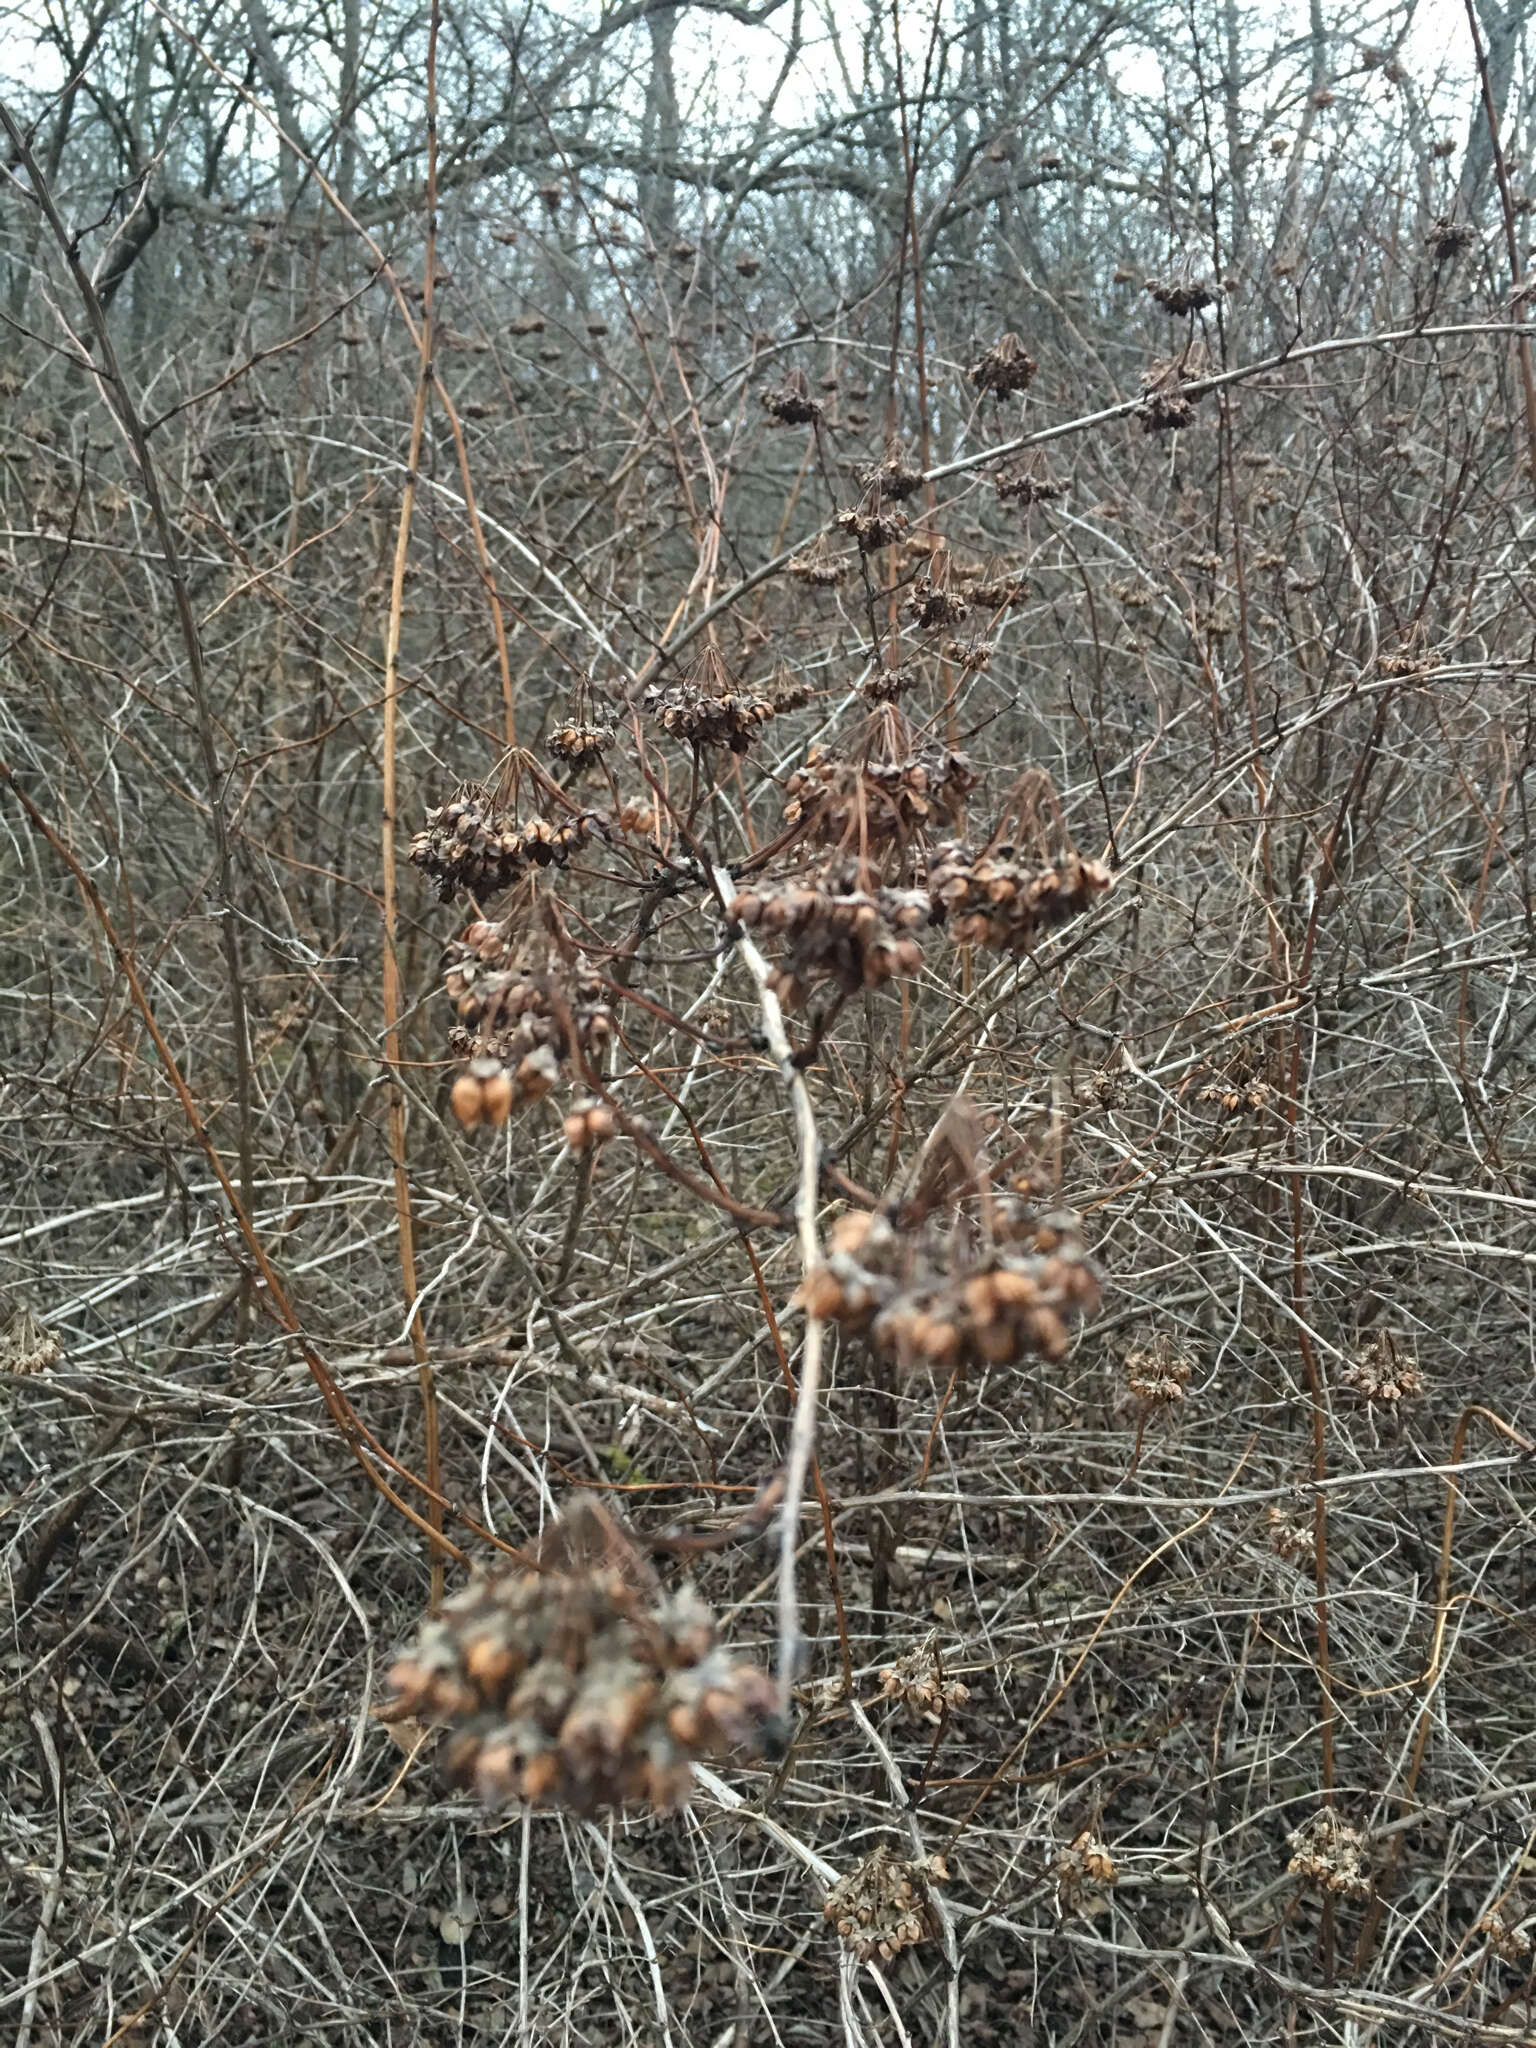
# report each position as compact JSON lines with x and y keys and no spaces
{"x":872,"y":523}
{"x":708,"y":708}
{"x":919,"y":1681}
{"x":1330,"y":1855}
{"x":996,"y":899}
{"x":517,"y":998}
{"x":1083,"y":1867}
{"x":1181,"y":295}
{"x":934,"y":601}
{"x":473,"y":842}
{"x":952,"y":1298}
{"x":579,"y":1684}
{"x":589,"y":1124}
{"x":25,"y":1345}
{"x":1240,"y":1087}
{"x":1165,"y":404}
{"x":836,"y":928}
{"x":1446,"y":239}
{"x":789,"y":402}
{"x":1004,"y":369}
{"x":886,"y":1904}
{"x":580,"y":744}
{"x":886,"y":787}
{"x":1384,"y":1373}
{"x":1029,"y":483}
{"x":897,"y":477}
{"x":1510,"y":1939}
{"x":820,"y":565}
{"x":1159,"y":1372}
{"x":1295,"y":1541}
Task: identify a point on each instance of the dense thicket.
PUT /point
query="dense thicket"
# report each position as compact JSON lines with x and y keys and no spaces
{"x":643,"y":860}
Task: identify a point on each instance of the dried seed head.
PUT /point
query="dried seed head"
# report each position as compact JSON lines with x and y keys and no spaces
{"x":1446,"y":239}
{"x":25,"y":1345}
{"x":1331,"y":1855}
{"x":1383,"y":1373}
{"x":896,"y":477}
{"x":1292,"y":1540}
{"x":820,"y":564}
{"x":579,"y":1683}
{"x":707,"y":707}
{"x":1004,"y":369}
{"x":1083,"y":1867}
{"x":1181,"y":294}
{"x":885,"y":1904}
{"x":1029,"y":482}
{"x":919,"y":1681}
{"x":872,"y":523}
{"x":1159,"y":1373}
{"x":789,"y":402}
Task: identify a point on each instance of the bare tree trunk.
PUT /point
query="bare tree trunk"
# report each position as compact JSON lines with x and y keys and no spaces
{"x":659,"y":131}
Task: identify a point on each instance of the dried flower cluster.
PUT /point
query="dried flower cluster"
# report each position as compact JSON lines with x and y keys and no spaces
{"x":919,"y":1681}
{"x":1005,"y":368}
{"x":885,"y":1904}
{"x":819,"y":564}
{"x":519,"y":995}
{"x":835,"y":929}
{"x":1446,"y":239}
{"x":1159,"y":1372}
{"x":1381,"y":1372}
{"x":952,"y":1295}
{"x":580,"y":744}
{"x":789,"y":402}
{"x":885,"y":786}
{"x":995,"y":899}
{"x":1294,"y":1541}
{"x":1510,"y":1938}
{"x":897,"y":476}
{"x":25,"y":1345}
{"x":1029,"y":482}
{"x":708,"y":708}
{"x":1330,"y":1855}
{"x":1165,"y":404}
{"x":1083,"y":1867}
{"x":1181,"y":295}
{"x":872,"y":523}
{"x":579,"y":1683}
{"x":474,"y":842}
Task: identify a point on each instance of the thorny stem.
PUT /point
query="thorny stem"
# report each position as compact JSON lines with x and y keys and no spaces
{"x":802,"y":1434}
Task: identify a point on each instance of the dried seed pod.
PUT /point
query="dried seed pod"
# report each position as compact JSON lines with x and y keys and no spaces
{"x":1158,"y":1373}
{"x":578,"y":1683}
{"x":933,"y":600}
{"x":789,"y":403}
{"x":588,"y":1124}
{"x":885,"y":1904}
{"x":1331,"y":1855}
{"x":1181,"y":294}
{"x":881,"y":789}
{"x":820,"y":565}
{"x":475,"y":843}
{"x":896,"y":477}
{"x":1029,"y":482}
{"x":518,"y":993}
{"x":25,"y":1345}
{"x":707,"y":707}
{"x":993,"y":898}
{"x":748,"y":265}
{"x":580,"y":744}
{"x":1382,"y":1373}
{"x":1085,"y":1866}
{"x":1165,"y":405}
{"x":1295,"y":1541}
{"x":919,"y":1681}
{"x":836,"y":926}
{"x":1004,"y":369}
{"x":1446,"y":238}
{"x":872,"y":523}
